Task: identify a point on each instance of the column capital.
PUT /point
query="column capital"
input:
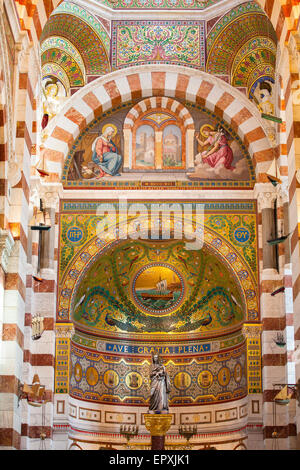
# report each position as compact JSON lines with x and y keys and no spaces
{"x":252,"y":330}
{"x":50,"y":193}
{"x":64,"y":330}
{"x":158,"y":424}
{"x":265,"y":198}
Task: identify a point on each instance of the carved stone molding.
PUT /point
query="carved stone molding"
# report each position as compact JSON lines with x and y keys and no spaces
{"x":272,"y":134}
{"x":14,"y":172}
{"x":6,"y":245}
{"x":8,"y":93}
{"x":283,"y":191}
{"x":10,"y":77}
{"x":294,"y":49}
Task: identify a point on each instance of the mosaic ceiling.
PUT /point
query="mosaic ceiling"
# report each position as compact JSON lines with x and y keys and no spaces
{"x":161,"y":4}
{"x":78,"y":41}
{"x":238,"y":46}
{"x":86,"y":41}
{"x":156,"y":287}
{"x":126,"y":295}
{"x":66,"y":62}
{"x":242,"y":46}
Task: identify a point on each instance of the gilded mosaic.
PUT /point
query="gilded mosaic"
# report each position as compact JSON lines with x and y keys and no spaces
{"x":182,"y":291}
{"x":114,"y":379}
{"x":171,"y":42}
{"x":156,"y":286}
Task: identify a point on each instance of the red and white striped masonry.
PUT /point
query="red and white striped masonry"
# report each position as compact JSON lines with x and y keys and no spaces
{"x":39,"y":356}
{"x":273,"y":321}
{"x":3,"y":142}
{"x":278,"y":313}
{"x":158,"y":102}
{"x":167,"y":81}
{"x":114,"y":90}
{"x":15,"y":278}
{"x":15,"y":214}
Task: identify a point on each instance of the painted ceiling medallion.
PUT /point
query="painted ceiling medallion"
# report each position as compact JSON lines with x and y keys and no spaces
{"x":158,"y":288}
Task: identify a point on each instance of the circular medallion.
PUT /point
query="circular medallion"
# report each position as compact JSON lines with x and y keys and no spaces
{"x":182,"y":380}
{"x":91,"y":376}
{"x":205,"y":379}
{"x":158,"y":288}
{"x":224,"y":376}
{"x":77,"y":372}
{"x":74,"y":234}
{"x":241,"y":235}
{"x":133,"y":380}
{"x":111,"y":378}
{"x":238,"y":372}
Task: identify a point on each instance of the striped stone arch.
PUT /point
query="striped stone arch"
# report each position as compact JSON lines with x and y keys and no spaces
{"x":138,"y":83}
{"x":282,"y":14}
{"x":158,"y":102}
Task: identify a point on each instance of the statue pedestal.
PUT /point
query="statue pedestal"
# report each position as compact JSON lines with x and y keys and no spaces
{"x":158,"y":425}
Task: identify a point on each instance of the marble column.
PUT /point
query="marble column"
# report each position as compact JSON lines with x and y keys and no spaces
{"x":273,"y":318}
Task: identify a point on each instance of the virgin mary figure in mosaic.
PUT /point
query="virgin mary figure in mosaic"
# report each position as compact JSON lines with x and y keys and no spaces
{"x":105,"y":154}
{"x":160,"y":386}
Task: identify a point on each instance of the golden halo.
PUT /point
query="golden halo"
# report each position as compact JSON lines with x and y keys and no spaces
{"x":112,"y":126}
{"x":50,"y":86}
{"x":204,"y":126}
